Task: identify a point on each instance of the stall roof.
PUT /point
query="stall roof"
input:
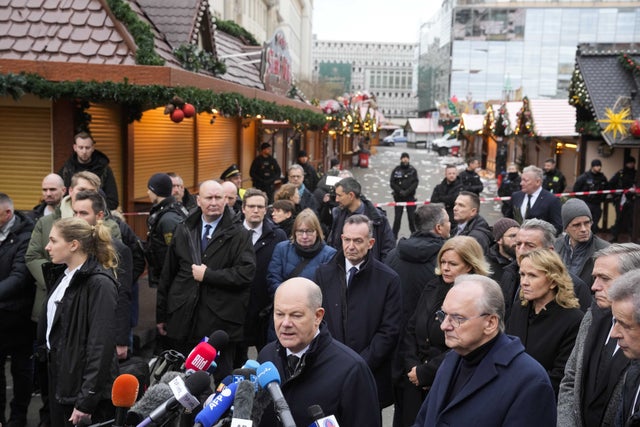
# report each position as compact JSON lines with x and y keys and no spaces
{"x":551,"y":117}
{"x":473,"y":122}
{"x":425,"y":125}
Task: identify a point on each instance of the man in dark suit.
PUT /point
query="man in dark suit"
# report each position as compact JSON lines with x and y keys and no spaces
{"x":264,"y":236}
{"x":484,"y":363}
{"x":363,"y":302}
{"x":625,"y":297}
{"x":534,"y":201}
{"x":593,"y":376}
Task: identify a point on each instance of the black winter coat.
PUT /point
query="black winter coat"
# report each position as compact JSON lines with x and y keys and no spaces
{"x":329,"y":374}
{"x":99,"y":165}
{"x":414,"y":259}
{"x":478,"y":228}
{"x":255,"y":325}
{"x":590,"y":181}
{"x":17,"y":286}
{"x":82,"y":357}
{"x":163,"y":219}
{"x":510,"y":184}
{"x":447,"y":192}
{"x":547,"y":336}
{"x":367,"y":316}
{"x":192,"y":310}
{"x":471,"y":181}
{"x":404,"y":183}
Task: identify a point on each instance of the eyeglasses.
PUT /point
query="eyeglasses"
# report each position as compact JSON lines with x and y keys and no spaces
{"x":252,"y":207}
{"x":307,"y":232}
{"x":455,"y":319}
{"x":295,"y":176}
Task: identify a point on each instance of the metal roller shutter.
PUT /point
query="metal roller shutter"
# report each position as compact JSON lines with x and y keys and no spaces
{"x":162,"y":146}
{"x":106,"y":129}
{"x":25,"y":153}
{"x":217,"y":146}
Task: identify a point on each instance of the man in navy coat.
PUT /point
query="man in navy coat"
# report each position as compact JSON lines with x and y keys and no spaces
{"x":534,"y":201}
{"x":488,"y":379}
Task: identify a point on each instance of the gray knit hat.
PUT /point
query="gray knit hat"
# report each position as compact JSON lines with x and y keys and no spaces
{"x":501,"y":226}
{"x":572,"y":209}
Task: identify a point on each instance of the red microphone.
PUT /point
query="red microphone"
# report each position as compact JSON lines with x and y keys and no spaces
{"x":200,"y":358}
{"x":123,"y":395}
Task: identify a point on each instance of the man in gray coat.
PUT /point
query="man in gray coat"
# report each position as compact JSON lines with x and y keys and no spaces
{"x":593,"y":376}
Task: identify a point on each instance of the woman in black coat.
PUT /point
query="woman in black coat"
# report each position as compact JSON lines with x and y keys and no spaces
{"x":548,"y":318}
{"x":423,"y":346}
{"x":77,"y":329}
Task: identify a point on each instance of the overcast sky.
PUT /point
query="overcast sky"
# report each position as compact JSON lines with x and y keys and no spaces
{"x":371,"y":20}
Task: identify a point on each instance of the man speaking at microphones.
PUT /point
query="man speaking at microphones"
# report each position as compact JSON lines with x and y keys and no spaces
{"x":314,"y":368}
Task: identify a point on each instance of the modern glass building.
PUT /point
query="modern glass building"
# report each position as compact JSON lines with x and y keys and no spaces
{"x":491,"y":50}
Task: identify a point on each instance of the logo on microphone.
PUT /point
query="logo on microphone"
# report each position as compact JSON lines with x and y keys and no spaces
{"x":199,"y":362}
{"x":328,"y":423}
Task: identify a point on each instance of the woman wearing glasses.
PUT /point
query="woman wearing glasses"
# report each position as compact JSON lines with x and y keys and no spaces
{"x":300,"y":256}
{"x":548,"y":316}
{"x":422,"y":348}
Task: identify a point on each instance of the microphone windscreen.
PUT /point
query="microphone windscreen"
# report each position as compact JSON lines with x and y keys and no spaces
{"x":124,"y":391}
{"x":315,"y":412}
{"x":243,"y":401}
{"x":155,"y":396}
{"x":251,"y":364}
{"x":245,"y":373}
{"x":200,"y":357}
{"x":168,"y":376}
{"x":218,"y":339}
{"x":267,"y":373}
{"x":197,"y":383}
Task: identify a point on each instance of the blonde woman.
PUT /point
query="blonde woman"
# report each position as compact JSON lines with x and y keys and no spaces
{"x":548,"y":316}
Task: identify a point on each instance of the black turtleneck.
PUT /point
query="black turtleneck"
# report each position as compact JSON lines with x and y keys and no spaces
{"x":467,"y":366}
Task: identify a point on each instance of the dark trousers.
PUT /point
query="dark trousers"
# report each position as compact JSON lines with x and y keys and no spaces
{"x":22,"y":375}
{"x":224,"y":360}
{"x":408,"y":400}
{"x":397,"y":220}
{"x":596,"y":213}
{"x":61,"y":413}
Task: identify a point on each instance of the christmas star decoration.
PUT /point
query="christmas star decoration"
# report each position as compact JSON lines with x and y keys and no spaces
{"x":616,"y":122}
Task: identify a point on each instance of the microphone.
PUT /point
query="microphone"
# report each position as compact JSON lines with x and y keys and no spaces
{"x":251,"y":364}
{"x":320,"y":420}
{"x":123,"y":395}
{"x":269,"y":378}
{"x":218,"y":339}
{"x":183,"y":396}
{"x":155,"y":396}
{"x":169,"y":360}
{"x":200,"y":358}
{"x":215,"y":407}
{"x":243,"y":404}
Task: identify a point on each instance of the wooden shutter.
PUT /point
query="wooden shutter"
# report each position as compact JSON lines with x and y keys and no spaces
{"x":106,"y":129}
{"x":217,"y":146}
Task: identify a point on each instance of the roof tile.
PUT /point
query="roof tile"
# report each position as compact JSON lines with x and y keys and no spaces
{"x":97,"y":19}
{"x":34,"y":4}
{"x":53,"y":46}
{"x":80,"y":5}
{"x":89,"y":48}
{"x":19,"y":15}
{"x":35,"y":15}
{"x":23,"y":45}
{"x":107,"y":49}
{"x":65,"y":32}
{"x":81,"y":34}
{"x":18,"y":30}
{"x":48,"y":4}
{"x":18,"y":3}
{"x":101,"y":34}
{"x":71,"y":48}
{"x":6,"y":43}
{"x":39,"y":45}
{"x":79,"y":18}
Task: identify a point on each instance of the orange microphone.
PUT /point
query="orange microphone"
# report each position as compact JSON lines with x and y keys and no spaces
{"x":123,"y":395}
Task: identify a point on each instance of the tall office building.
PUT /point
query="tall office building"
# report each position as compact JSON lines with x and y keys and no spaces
{"x":495,"y":49}
{"x":385,"y":70}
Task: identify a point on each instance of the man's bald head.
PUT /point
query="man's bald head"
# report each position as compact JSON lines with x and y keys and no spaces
{"x":297,"y":313}
{"x":230,"y":193}
{"x":211,"y":200}
{"x":53,"y":189}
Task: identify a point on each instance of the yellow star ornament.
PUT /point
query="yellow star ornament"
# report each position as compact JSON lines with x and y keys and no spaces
{"x":617,"y":122}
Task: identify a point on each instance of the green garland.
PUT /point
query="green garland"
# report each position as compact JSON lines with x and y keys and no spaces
{"x":194,"y":59}
{"x":236,"y":30}
{"x":578,"y":95}
{"x":629,"y":64}
{"x":137,"y":98}
{"x":141,"y":32}
{"x":589,"y":128}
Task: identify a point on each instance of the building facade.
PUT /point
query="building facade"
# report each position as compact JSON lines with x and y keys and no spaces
{"x":263,"y":18}
{"x":384,"y":70}
{"x":490,"y":50}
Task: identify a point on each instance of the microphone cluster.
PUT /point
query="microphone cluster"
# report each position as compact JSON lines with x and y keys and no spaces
{"x":176,"y":389}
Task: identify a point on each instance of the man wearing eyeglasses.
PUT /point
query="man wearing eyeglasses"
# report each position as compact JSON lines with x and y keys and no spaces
{"x":488,"y":379}
{"x":264,"y":237}
{"x":577,"y":246}
{"x":296,"y":176}
{"x":362,"y":298}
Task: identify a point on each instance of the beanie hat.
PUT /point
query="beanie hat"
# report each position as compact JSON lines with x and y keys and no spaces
{"x":596,"y":162}
{"x":501,"y":226}
{"x":264,"y":145}
{"x":160,"y":184}
{"x":403,"y":155}
{"x":302,"y":153}
{"x":572,"y":209}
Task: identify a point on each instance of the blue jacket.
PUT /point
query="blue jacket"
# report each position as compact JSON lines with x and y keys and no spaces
{"x":285,"y":259}
{"x":508,"y":388}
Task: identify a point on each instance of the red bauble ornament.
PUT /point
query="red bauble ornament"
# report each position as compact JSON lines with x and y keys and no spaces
{"x":188,"y":110}
{"x":635,"y":128}
{"x":177,"y":115}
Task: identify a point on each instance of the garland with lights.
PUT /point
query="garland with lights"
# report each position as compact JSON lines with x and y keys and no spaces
{"x":524,"y":124}
{"x":139,"y":98}
{"x":501,"y":127}
{"x":140,"y":31}
{"x":489,"y":123}
{"x":578,"y":95}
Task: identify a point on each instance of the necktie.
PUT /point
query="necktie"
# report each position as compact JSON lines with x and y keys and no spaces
{"x":352,"y":274}
{"x":526,"y":212}
{"x":205,"y":237}
{"x":292,"y":362}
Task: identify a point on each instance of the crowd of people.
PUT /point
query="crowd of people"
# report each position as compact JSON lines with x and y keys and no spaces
{"x":530,"y":321}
